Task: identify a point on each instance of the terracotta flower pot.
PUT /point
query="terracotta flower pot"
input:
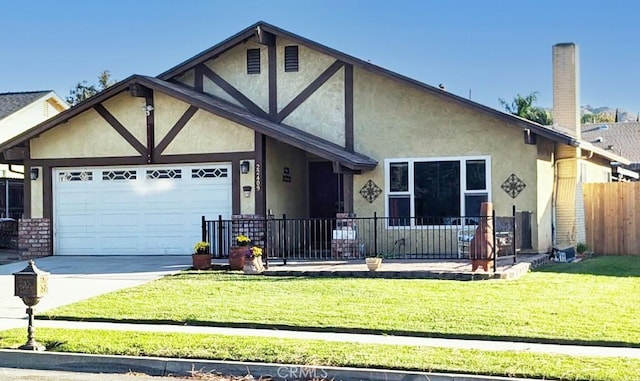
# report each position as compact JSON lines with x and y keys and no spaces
{"x":201,"y":261}
{"x":237,"y":256}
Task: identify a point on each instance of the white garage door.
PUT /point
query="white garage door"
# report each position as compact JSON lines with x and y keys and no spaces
{"x":153,"y":210}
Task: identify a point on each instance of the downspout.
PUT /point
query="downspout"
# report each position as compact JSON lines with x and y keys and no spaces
{"x":555,"y":191}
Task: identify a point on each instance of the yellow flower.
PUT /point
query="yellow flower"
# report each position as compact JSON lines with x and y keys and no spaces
{"x":256,"y":251}
{"x":243,"y":240}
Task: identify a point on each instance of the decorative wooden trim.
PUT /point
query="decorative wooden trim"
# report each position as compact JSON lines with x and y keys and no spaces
{"x":150,"y":128}
{"x":309,"y":90}
{"x":91,"y":161}
{"x":204,"y":158}
{"x":120,"y":128}
{"x":235,"y":93}
{"x":260,"y":173}
{"x":198,"y":78}
{"x":47,"y":192}
{"x":173,"y":132}
{"x":347,"y":192}
{"x":348,"y":108}
{"x":273,"y":82}
{"x":235,"y":186}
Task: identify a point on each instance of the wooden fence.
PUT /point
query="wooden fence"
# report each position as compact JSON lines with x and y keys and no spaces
{"x":612,"y":218}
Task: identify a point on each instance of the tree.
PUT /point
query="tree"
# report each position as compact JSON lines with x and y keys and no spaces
{"x":524,"y":108}
{"x":600,"y":117}
{"x":84,"y":90}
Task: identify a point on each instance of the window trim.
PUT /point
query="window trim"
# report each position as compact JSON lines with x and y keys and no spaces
{"x":463,"y":184}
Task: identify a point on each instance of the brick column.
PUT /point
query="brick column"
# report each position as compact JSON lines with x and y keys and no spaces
{"x":34,"y":237}
{"x":251,"y":225}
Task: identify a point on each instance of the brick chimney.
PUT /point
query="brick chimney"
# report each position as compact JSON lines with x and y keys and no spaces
{"x":568,"y":203}
{"x":566,"y":87}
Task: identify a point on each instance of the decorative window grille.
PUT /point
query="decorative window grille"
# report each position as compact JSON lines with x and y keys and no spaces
{"x":75,"y":176}
{"x":119,"y":175}
{"x":164,"y":174}
{"x":201,"y":173}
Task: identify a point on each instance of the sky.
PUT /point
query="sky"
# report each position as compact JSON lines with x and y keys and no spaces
{"x":482,"y":49}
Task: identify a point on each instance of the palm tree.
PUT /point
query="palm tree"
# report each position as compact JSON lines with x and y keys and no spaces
{"x":524,"y":108}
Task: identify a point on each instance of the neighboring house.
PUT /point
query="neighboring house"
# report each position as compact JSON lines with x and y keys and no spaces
{"x":621,"y":138}
{"x":20,"y":111}
{"x":132,"y":169}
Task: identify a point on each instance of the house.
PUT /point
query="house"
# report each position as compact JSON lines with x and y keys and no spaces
{"x":622,"y":138}
{"x":267,"y":121}
{"x":18,"y":112}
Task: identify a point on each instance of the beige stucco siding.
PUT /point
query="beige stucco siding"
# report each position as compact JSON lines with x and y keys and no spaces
{"x":311,"y":64}
{"x":187,"y":78}
{"x":167,"y":111}
{"x":322,"y":114}
{"x":248,"y":204}
{"x":130,"y":112}
{"x":232,"y":67}
{"x":207,"y":133}
{"x":396,"y":121}
{"x":37,"y":204}
{"x":543,"y":213}
{"x":288,"y":198}
{"x":86,"y":135}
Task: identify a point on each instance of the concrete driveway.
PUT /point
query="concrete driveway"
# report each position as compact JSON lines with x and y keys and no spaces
{"x":75,"y":278}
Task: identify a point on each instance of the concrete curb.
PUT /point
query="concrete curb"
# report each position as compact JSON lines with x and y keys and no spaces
{"x":155,"y":366}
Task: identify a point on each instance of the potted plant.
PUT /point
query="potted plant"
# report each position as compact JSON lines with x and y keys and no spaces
{"x":373,"y":262}
{"x":581,"y":249}
{"x":253,"y":261}
{"x":239,"y":252}
{"x":201,"y":257}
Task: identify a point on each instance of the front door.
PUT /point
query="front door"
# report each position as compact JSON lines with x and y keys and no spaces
{"x":324,"y":200}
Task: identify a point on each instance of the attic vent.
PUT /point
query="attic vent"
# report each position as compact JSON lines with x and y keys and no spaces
{"x":253,"y":61}
{"x":291,"y":58}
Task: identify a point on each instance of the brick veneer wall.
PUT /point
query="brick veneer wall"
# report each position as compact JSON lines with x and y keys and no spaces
{"x":34,"y":237}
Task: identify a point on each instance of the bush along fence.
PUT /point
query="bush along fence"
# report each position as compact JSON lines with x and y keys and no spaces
{"x":349,"y":237}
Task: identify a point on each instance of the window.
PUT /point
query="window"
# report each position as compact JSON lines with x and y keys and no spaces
{"x":291,"y":58}
{"x":253,"y":61}
{"x":436,"y":191}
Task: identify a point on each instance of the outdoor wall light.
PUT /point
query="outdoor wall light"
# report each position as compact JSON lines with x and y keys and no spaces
{"x":34,"y":173}
{"x":244,"y":167}
{"x":247,"y":190}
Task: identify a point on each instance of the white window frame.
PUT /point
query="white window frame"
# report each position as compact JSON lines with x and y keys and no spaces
{"x":463,"y":183}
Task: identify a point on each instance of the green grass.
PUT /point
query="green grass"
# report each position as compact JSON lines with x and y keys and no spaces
{"x":564,"y":303}
{"x":321,"y":353}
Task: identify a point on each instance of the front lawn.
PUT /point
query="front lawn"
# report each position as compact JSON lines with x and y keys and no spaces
{"x":562,"y":303}
{"x":322,"y":353}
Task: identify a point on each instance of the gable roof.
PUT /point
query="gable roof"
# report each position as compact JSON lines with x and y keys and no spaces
{"x":284,"y":133}
{"x":260,"y":27}
{"x":622,"y":138}
{"x":12,"y":102}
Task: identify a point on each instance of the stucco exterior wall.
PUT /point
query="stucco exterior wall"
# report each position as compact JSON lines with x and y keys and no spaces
{"x":396,"y":121}
{"x":542,"y":216}
{"x":207,"y":133}
{"x":322,"y":114}
{"x":311,"y":65}
{"x":288,"y":198}
{"x":86,"y":135}
{"x":167,"y":111}
{"x":248,"y":204}
{"x":37,"y":204}
{"x":188,"y":78}
{"x":129,"y":111}
{"x":232,"y":67}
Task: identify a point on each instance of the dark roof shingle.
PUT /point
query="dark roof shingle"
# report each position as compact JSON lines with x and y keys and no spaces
{"x":12,"y":102}
{"x":621,"y":138}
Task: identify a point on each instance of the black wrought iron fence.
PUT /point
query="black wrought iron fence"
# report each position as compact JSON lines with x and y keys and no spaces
{"x":357,"y":237}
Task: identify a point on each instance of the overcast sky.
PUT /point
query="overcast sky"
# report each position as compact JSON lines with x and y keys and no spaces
{"x":486,"y":49}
